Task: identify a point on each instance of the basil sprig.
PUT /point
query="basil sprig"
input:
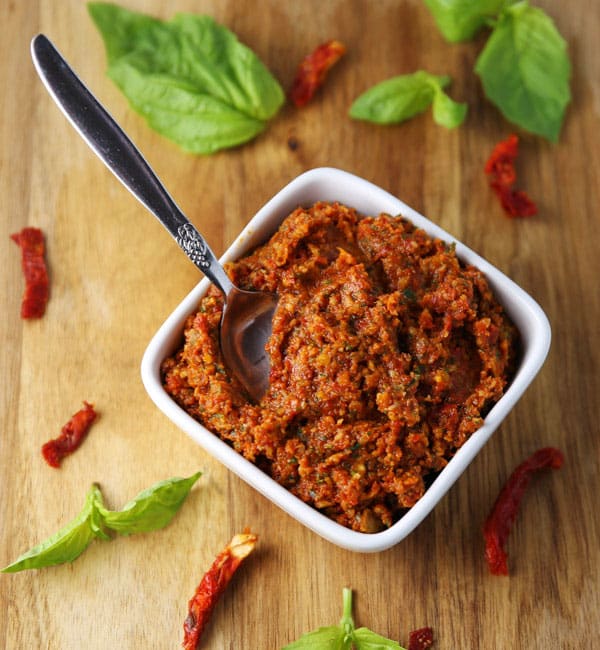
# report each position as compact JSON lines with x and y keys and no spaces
{"x":400,"y":98}
{"x":524,"y":66}
{"x":190,"y":77}
{"x":150,"y":510}
{"x":344,"y":636}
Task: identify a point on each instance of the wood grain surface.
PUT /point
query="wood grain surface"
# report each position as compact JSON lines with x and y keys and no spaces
{"x":116,"y":275}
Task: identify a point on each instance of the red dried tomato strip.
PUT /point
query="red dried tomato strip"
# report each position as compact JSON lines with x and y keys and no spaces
{"x":212,"y":585}
{"x":515,"y":203}
{"x":420,"y":639}
{"x":502,"y":160}
{"x":313,"y":70}
{"x":500,"y":167}
{"x":71,"y":436}
{"x":500,"y":520}
{"x":37,"y":284}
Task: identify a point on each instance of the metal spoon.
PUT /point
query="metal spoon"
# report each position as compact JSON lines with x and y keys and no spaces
{"x":247,"y":316}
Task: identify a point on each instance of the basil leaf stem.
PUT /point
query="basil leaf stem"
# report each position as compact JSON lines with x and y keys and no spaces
{"x":343,"y":636}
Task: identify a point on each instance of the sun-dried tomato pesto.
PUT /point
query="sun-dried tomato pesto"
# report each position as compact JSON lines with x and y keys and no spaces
{"x":386,"y":354}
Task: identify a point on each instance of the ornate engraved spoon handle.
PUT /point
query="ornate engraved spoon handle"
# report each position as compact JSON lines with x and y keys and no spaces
{"x":120,"y":155}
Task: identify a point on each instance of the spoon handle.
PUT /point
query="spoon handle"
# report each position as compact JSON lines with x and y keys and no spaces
{"x":120,"y":155}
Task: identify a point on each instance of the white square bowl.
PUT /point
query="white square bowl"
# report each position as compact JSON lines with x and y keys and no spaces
{"x":328,"y":184}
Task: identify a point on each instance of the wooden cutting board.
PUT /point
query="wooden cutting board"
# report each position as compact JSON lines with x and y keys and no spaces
{"x":116,"y":275}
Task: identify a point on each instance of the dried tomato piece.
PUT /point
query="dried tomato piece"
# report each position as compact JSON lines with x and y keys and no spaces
{"x":515,"y":203}
{"x":71,"y":436}
{"x":502,"y":160}
{"x":212,"y":585}
{"x":420,"y":639}
{"x":500,"y":167}
{"x":37,"y":284}
{"x":500,"y":520}
{"x":313,"y":70}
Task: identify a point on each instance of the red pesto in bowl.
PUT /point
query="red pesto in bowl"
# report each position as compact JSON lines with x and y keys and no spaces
{"x":386,"y":354}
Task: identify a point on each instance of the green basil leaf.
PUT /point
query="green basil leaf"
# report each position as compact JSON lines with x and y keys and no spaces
{"x":189,"y":77}
{"x":364,"y":639}
{"x":397,"y":99}
{"x":460,"y":20}
{"x":447,"y":112}
{"x":152,"y":508}
{"x":68,"y":543}
{"x":197,"y":123}
{"x":400,"y":98}
{"x":525,"y":70}
{"x":325,"y":638}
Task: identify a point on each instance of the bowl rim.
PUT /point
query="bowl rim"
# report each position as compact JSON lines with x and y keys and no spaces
{"x":525,"y":312}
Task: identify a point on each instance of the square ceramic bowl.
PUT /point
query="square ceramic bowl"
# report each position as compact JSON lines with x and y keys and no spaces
{"x":327,"y":184}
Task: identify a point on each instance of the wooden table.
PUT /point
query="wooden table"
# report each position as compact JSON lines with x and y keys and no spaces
{"x":116,"y":275}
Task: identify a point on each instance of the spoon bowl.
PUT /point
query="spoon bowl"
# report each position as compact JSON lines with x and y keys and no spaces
{"x":246,"y":325}
{"x":247,"y":316}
